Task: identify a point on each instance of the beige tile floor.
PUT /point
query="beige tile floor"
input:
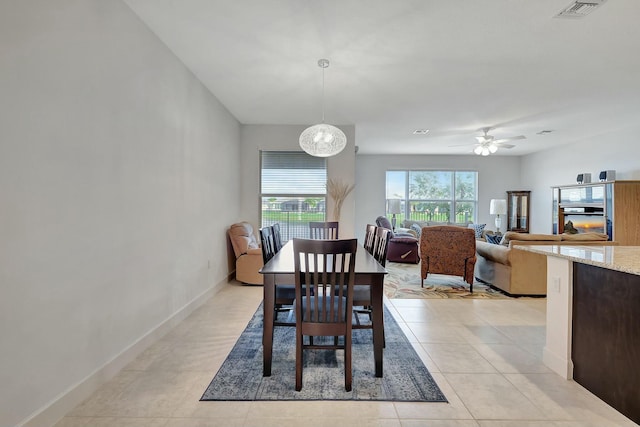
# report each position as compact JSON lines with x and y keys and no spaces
{"x":484,"y":354}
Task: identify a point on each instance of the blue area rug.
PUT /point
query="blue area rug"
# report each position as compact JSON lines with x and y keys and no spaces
{"x":405,"y":376}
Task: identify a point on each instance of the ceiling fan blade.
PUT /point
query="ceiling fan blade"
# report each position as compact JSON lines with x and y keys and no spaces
{"x":461,"y":145}
{"x":511,"y":138}
{"x":504,"y":145}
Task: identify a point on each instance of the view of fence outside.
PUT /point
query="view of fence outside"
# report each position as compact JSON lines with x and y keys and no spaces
{"x":293,"y":214}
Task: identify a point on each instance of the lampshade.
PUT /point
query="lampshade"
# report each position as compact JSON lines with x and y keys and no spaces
{"x":323,"y":140}
{"x":394,"y":206}
{"x":498,"y":207}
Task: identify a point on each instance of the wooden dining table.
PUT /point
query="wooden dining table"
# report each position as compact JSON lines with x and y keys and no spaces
{"x":281,"y":270}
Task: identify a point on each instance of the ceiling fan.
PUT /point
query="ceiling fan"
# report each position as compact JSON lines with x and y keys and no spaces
{"x":488,"y":144}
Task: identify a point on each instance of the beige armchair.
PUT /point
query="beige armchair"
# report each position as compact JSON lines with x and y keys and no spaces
{"x":248,"y":253}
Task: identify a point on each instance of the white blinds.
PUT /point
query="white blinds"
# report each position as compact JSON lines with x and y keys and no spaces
{"x":292,"y":173}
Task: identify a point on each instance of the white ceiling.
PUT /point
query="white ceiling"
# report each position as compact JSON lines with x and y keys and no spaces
{"x":451,"y":66}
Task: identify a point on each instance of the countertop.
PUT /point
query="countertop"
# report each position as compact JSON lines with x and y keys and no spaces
{"x":620,"y":258}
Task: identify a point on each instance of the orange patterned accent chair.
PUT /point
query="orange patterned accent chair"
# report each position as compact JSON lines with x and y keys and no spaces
{"x":448,"y":250}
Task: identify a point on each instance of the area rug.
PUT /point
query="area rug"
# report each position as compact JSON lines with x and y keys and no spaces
{"x":405,"y":378}
{"x":403,"y":281}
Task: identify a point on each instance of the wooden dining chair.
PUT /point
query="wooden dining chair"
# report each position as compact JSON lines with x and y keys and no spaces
{"x":325,"y":278}
{"x":323,"y":230}
{"x":267,"y":243}
{"x":284,"y":293}
{"x":362,"y":294}
{"x":370,"y":237}
{"x":277,"y":238}
{"x":381,"y":245}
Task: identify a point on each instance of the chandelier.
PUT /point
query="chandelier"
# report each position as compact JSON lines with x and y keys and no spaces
{"x":323,"y":140}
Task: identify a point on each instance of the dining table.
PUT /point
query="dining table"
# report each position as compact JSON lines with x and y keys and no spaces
{"x":281,"y":270}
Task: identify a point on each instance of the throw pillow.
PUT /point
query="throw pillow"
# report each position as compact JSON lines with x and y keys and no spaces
{"x":477,"y":228}
{"x":493,"y":238}
{"x":415,"y":227}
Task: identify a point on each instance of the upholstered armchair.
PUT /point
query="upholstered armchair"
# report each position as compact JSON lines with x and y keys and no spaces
{"x":403,"y":247}
{"x":448,"y":250}
{"x":248,"y":253}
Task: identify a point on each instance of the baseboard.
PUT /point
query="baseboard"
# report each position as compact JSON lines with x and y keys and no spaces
{"x":557,"y":364}
{"x":77,"y":393}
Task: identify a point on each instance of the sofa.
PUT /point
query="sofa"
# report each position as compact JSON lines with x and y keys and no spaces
{"x":519,"y":272}
{"x":247,"y":252}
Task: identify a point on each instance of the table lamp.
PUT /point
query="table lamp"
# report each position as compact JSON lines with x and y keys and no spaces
{"x":394,"y":208}
{"x":498,"y":207}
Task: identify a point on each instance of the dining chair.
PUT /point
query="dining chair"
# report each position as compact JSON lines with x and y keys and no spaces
{"x":370,"y":237}
{"x":284,"y":293}
{"x":267,"y":243}
{"x":323,"y":230}
{"x":362,"y":294}
{"x":381,"y":245}
{"x":277,"y":238}
{"x":325,"y":278}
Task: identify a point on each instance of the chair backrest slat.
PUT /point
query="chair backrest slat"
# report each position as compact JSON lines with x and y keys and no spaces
{"x":323,"y":230}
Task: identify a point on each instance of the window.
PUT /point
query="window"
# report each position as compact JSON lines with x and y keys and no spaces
{"x":293,"y":191}
{"x":436,"y":196}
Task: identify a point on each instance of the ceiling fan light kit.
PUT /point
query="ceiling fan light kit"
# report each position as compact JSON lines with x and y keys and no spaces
{"x":487,"y":144}
{"x":323,"y":140}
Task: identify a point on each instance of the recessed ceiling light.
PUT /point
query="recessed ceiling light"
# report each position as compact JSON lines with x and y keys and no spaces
{"x":421,"y":131}
{"x":544,"y":132}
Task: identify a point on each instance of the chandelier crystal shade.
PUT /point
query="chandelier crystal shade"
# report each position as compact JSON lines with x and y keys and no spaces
{"x":323,"y":140}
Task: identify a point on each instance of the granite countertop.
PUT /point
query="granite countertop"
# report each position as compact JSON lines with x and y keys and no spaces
{"x":620,"y":258}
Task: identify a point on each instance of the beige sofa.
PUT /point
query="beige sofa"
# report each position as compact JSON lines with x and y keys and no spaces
{"x":519,"y":272}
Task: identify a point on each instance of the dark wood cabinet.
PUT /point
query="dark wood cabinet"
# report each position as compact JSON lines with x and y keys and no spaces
{"x":518,"y":211}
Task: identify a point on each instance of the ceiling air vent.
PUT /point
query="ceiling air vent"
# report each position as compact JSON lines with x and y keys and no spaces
{"x":580,"y":8}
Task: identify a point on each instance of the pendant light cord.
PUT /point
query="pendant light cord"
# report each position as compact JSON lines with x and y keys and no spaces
{"x":323,"y":63}
{"x":323,"y":67}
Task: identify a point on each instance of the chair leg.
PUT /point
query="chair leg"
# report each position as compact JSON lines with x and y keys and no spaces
{"x":299,"y":360}
{"x":347,"y":362}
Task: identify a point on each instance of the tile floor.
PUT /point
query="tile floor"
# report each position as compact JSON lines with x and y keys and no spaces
{"x":484,"y":354}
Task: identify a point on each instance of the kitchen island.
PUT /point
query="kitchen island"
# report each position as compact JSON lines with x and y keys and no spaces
{"x":593,"y":320}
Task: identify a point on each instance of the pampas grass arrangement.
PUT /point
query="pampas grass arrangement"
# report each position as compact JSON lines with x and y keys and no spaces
{"x":338,"y":191}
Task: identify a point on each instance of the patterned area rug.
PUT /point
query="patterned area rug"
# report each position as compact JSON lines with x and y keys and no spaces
{"x":403,"y":281}
{"x":405,"y":376}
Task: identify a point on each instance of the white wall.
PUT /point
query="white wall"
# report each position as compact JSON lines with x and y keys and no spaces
{"x":285,"y":138}
{"x":114,"y":162}
{"x":496,"y":175}
{"x":617,"y":150}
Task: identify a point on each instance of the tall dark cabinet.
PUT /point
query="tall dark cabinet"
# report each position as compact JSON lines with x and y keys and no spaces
{"x":518,"y":211}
